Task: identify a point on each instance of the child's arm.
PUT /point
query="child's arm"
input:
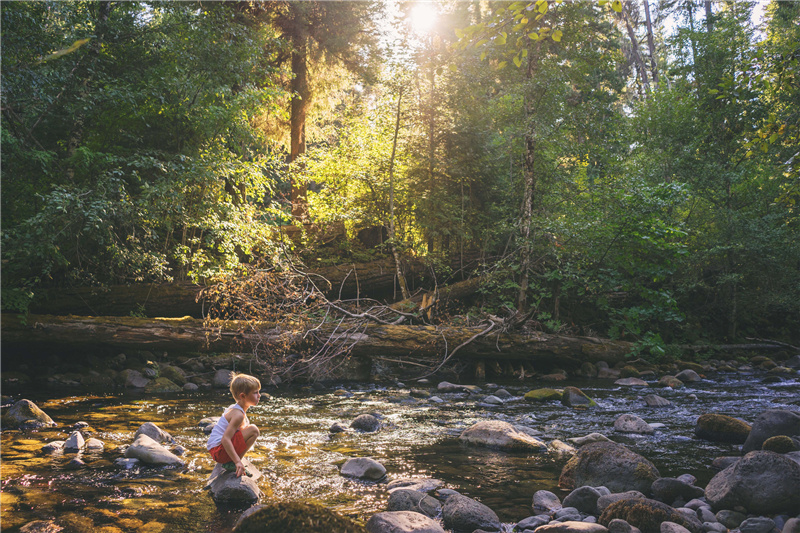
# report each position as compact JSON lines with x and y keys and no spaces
{"x":234,"y":424}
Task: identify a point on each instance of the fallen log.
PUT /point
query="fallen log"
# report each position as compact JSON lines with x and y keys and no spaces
{"x":402,"y":342}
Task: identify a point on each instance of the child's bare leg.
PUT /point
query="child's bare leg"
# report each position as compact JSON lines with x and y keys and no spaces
{"x":250,"y":434}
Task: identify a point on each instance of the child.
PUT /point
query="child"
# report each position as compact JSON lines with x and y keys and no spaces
{"x":233,"y":434}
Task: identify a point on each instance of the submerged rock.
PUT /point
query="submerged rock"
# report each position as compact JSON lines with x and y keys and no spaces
{"x":366,"y":423}
{"x":543,"y":395}
{"x":653,"y":400}
{"x":610,"y":465}
{"x":26,"y":414}
{"x":574,"y":397}
{"x":721,"y":428}
{"x":294,"y":516}
{"x":412,"y":500}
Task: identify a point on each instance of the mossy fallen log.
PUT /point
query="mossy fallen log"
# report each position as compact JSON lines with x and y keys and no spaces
{"x":401,"y":342}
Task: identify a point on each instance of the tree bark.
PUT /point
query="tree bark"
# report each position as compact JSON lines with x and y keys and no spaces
{"x":300,"y":100}
{"x":637,"y":53}
{"x":401,"y":279}
{"x":650,"y":44}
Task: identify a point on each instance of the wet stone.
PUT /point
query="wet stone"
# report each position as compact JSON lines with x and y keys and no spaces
{"x":759,"y":524}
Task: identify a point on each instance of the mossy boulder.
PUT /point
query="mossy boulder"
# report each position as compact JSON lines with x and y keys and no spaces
{"x":610,"y":465}
{"x":670,"y":381}
{"x":26,"y":414}
{"x":543,"y":395}
{"x":721,"y":428}
{"x":295,"y":516}
{"x":770,"y":423}
{"x":780,"y":444}
{"x":162,"y":384}
{"x":647,"y":515}
{"x":689,"y":365}
{"x":174,"y":374}
{"x":629,"y":371}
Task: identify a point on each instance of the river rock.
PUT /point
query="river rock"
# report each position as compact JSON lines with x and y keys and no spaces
{"x":162,"y":384}
{"x":543,"y":395}
{"x":567,"y":513}
{"x":126,"y":462}
{"x":647,"y":515}
{"x":133,"y":379}
{"x":446,"y":386}
{"x":412,"y":500}
{"x":670,"y":381}
{"x":653,"y":400}
{"x":402,"y":522}
{"x":761,"y":482}
{"x":75,"y":442}
{"x":730,"y":519}
{"x":53,"y":447}
{"x":584,"y":499}
{"x":560,"y":450}
{"x":770,"y":423}
{"x":363,"y":468}
{"x":222,"y":378}
{"x":366,"y":423}
{"x":610,"y":465}
{"x":791,"y":526}
{"x":621,"y":526}
{"x":501,"y":435}
{"x":41,"y":526}
{"x":606,"y":500}
{"x":154,"y":432}
{"x":294,"y":516}
{"x":588,"y":370}
{"x":419,"y":484}
{"x":571,"y":526}
{"x":463,"y":514}
{"x":669,"y":489}
{"x":226,"y":488}
{"x":150,"y":451}
{"x":546,"y":502}
{"x":672,"y":527}
{"x":631,"y":382}
{"x":587,"y":439}
{"x":337,"y":427}
{"x":688,"y":376}
{"x":721,"y":428}
{"x":629,"y":423}
{"x":26,"y":415}
{"x":503,"y":394}
{"x":780,"y":444}
{"x":607,"y":373}
{"x":758,"y":524}
{"x":574,"y":397}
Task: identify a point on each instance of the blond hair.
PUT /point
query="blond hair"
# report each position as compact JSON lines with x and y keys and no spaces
{"x":243,"y":383}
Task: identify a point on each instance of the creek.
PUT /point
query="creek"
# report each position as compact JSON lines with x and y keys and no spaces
{"x":300,"y":459}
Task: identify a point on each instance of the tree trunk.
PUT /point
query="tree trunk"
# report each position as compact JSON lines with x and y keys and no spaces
{"x":637,"y":53}
{"x":419,"y":343}
{"x":300,"y":101}
{"x":650,"y":44}
{"x":392,"y":234}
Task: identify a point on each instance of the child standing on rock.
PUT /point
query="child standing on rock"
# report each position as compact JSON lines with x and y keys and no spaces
{"x":233,"y":434}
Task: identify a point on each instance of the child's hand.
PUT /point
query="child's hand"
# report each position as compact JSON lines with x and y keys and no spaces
{"x":239,"y":469}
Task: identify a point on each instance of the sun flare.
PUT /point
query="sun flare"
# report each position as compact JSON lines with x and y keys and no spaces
{"x":423,"y":17}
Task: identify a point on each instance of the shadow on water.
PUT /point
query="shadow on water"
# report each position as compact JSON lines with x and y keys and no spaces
{"x":300,"y":459}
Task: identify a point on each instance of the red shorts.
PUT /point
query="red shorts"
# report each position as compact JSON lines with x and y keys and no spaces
{"x":221,"y":456}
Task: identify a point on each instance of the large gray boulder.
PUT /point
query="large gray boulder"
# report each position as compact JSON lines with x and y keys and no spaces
{"x":610,"y":465}
{"x":26,"y":414}
{"x":501,"y":435}
{"x":402,"y":522}
{"x":761,"y":482}
{"x":151,"y":452}
{"x":584,"y":499}
{"x":228,"y":489}
{"x":154,"y":432}
{"x":412,"y":500}
{"x":463,"y":514}
{"x":770,"y":423}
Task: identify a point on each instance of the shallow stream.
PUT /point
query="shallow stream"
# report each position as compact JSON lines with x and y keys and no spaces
{"x":300,"y":459}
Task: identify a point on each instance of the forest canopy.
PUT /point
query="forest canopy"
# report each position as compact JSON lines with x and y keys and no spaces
{"x":628,"y":169}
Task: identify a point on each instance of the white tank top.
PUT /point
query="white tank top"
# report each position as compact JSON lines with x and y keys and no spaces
{"x":215,"y":439}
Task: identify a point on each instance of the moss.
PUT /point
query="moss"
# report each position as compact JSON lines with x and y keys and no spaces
{"x":629,"y":372}
{"x":779,"y":444}
{"x":721,"y":428}
{"x":296,"y":516}
{"x":645,"y":471}
{"x":542,"y":395}
{"x":645,"y":514}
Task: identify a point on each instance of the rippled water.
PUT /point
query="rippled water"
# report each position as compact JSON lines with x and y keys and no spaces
{"x":300,"y":459}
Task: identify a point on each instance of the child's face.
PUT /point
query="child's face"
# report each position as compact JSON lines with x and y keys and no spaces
{"x":251,"y":398}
